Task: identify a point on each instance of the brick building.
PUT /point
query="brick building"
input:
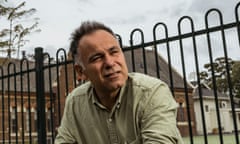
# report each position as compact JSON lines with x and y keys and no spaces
{"x":18,"y":105}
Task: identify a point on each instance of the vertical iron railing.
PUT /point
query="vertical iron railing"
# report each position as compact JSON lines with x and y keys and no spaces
{"x":52,"y":98}
{"x":41,"y":121}
{"x":13,"y":125}
{"x":156,"y":52}
{"x":3,"y":107}
{"x":25,"y":101}
{"x":187,"y":97}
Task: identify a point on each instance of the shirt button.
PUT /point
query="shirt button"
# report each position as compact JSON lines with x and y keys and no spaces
{"x":110,"y":120}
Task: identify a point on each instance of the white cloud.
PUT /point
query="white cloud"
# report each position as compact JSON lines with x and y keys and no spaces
{"x":58,"y":18}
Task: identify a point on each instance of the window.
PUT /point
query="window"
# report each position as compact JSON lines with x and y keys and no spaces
{"x":35,"y":120}
{"x":27,"y":116}
{"x":181,"y":112}
{"x":49,"y":118}
{"x":206,"y":108}
{"x":222,"y":104}
{"x":13,"y":119}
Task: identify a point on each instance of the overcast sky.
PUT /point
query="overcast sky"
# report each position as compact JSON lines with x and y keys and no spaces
{"x":58,"y":18}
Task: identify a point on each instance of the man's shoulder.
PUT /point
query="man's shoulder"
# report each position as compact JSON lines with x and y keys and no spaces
{"x":144,"y":80}
{"x":80,"y":91}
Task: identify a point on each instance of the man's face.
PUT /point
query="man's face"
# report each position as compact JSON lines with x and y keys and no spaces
{"x":103,"y":61}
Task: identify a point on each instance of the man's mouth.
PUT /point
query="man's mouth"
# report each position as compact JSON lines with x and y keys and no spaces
{"x":112,"y":74}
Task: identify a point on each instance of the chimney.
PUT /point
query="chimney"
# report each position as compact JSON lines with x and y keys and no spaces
{"x":23,"y":54}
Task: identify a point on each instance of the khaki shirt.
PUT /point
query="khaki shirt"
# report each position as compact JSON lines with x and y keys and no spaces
{"x":144,"y":113}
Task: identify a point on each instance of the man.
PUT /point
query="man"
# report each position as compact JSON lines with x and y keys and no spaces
{"x":114,"y":106}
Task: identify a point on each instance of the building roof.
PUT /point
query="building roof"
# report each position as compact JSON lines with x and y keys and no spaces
{"x":208,"y":93}
{"x":151,"y":67}
{"x":10,"y":71}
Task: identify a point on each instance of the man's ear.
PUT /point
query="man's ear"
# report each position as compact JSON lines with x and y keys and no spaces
{"x":80,"y":72}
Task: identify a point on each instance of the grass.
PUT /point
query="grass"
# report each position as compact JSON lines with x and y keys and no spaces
{"x":212,"y":139}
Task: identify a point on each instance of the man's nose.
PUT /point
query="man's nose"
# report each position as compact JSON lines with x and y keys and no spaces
{"x":109,"y":61}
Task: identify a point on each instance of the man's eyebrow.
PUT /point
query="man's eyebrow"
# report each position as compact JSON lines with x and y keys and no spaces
{"x":113,"y":48}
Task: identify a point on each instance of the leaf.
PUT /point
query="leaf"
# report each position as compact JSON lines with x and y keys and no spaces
{"x":3,"y":44}
{"x":15,"y":35}
{"x":4,"y":32}
{"x":220,"y":67}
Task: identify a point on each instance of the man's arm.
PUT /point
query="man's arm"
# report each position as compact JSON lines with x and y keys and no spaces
{"x":65,"y":131}
{"x":158,"y":123}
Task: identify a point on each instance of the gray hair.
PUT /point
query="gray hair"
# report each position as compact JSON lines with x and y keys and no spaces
{"x":86,"y":27}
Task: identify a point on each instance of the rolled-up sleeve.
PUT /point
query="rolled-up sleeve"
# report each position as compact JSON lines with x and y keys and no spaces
{"x":65,"y":131}
{"x":158,"y":123}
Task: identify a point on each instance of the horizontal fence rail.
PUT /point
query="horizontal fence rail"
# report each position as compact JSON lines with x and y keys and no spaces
{"x":33,"y":91}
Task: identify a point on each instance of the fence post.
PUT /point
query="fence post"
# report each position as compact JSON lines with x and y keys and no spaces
{"x":41,"y":116}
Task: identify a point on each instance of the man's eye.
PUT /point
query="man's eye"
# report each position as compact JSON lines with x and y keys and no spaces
{"x":95,"y":58}
{"x":114,"y":51}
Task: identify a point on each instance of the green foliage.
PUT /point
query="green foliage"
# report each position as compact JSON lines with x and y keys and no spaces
{"x":218,"y":71}
{"x":236,"y":78}
{"x":13,"y":37}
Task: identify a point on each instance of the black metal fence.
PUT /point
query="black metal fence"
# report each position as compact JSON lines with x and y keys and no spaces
{"x":33,"y":91}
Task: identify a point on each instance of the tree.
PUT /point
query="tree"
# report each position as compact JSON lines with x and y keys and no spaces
{"x":236,"y":78}
{"x":218,"y":69}
{"x":15,"y":34}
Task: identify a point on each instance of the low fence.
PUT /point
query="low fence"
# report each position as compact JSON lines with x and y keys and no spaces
{"x":33,"y":91}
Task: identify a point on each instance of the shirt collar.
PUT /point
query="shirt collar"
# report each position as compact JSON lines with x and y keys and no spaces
{"x":118,"y":102}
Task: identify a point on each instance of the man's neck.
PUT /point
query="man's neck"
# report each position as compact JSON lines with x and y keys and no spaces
{"x":108,"y":99}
